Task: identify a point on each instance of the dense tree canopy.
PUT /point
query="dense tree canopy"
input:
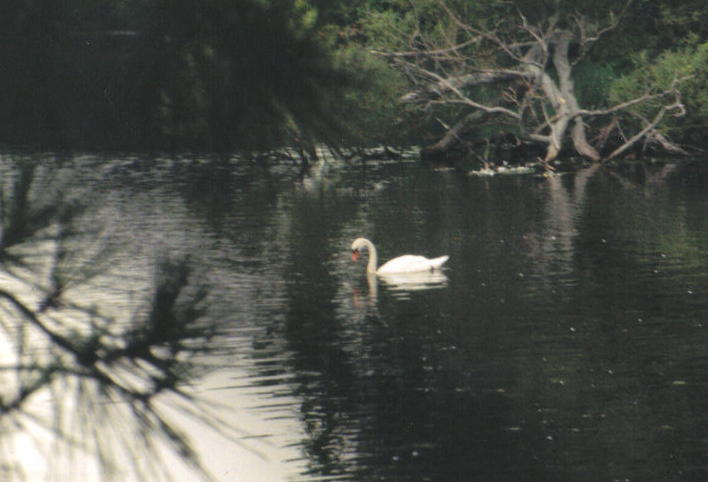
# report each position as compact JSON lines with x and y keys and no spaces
{"x":182,"y":73}
{"x":259,"y":74}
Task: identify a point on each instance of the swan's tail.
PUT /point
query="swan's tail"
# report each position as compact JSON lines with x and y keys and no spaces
{"x":435,"y":263}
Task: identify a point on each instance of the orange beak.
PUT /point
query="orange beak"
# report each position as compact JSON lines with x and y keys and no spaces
{"x":355,"y":255}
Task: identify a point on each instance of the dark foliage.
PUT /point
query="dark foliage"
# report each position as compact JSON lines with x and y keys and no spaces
{"x":210,"y":75}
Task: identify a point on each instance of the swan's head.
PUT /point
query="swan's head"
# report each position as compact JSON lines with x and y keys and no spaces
{"x":357,"y":246}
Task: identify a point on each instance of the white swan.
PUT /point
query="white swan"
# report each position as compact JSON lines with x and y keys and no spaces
{"x":407,"y":263}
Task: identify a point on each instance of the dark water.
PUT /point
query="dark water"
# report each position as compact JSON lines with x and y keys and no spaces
{"x":567,"y":340}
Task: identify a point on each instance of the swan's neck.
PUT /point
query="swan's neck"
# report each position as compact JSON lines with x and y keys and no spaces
{"x":373,"y":286}
{"x":373,"y":257}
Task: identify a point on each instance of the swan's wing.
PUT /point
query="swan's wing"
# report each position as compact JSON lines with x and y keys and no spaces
{"x":410,"y":263}
{"x":402,"y":264}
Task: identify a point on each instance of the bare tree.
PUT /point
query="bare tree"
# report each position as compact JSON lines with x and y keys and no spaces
{"x":521,"y":76}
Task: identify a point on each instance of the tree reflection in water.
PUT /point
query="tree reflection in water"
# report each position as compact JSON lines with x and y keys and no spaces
{"x":78,"y":375}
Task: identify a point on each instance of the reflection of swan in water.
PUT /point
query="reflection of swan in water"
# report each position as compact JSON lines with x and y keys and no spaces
{"x":402,"y":283}
{"x":407,"y":263}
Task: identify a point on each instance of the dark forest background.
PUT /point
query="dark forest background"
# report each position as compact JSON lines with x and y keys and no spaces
{"x":225,"y":75}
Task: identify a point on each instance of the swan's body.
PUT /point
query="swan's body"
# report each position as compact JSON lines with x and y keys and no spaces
{"x":407,"y":263}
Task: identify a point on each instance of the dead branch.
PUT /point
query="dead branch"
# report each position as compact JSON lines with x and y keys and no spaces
{"x":585,"y":41}
{"x":672,"y":90}
{"x":676,"y":105}
{"x":488,"y":35}
{"x":453,"y":135}
{"x":462,"y":98}
{"x":426,"y":53}
{"x":656,"y":136}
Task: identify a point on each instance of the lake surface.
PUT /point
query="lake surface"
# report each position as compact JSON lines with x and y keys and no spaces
{"x":566,"y":340}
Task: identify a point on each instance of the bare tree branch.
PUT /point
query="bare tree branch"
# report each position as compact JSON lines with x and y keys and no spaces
{"x":426,"y":53}
{"x":676,"y":105}
{"x":586,"y":41}
{"x":672,"y":90}
{"x":437,"y":88}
